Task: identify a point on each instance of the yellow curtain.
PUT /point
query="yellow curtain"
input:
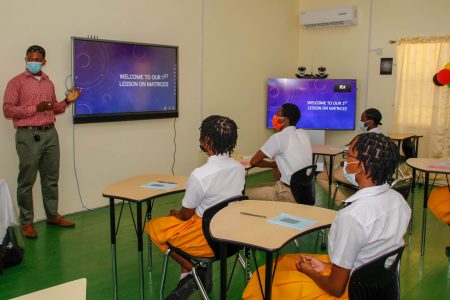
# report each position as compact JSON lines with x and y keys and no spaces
{"x":420,"y":106}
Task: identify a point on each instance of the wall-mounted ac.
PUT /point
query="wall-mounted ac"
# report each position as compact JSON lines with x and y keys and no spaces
{"x":329,"y":17}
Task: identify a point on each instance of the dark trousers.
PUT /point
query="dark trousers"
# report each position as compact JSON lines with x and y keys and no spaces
{"x":34,"y":156}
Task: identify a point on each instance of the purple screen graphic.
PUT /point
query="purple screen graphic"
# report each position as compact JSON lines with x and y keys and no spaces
{"x":124,"y":78}
{"x":324,"y":103}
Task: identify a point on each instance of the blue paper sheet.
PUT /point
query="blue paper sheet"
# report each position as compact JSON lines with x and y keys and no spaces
{"x":159,"y":185}
{"x":288,"y":220}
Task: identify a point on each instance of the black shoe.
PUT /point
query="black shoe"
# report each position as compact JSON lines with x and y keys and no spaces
{"x":184,"y":289}
{"x":205,"y":275}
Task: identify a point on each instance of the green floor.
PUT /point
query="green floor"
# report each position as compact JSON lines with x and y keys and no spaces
{"x":61,"y":255}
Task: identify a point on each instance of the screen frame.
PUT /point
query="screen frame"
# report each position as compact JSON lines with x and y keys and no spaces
{"x":123,"y":116}
{"x":307,"y":128}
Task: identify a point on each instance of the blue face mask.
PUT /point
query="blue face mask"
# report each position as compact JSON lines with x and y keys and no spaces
{"x":34,"y":67}
{"x":350,"y":177}
{"x":361,"y":126}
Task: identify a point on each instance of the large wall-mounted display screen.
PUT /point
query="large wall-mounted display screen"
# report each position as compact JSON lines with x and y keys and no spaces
{"x":328,"y":104}
{"x":124,"y":80}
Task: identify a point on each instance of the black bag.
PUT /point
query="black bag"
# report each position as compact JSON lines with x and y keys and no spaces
{"x":11,"y":252}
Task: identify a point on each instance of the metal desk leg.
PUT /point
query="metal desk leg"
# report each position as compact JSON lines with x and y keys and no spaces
{"x":223,"y":271}
{"x":424,"y":213}
{"x":140,"y":247}
{"x":413,"y":186}
{"x":112,"y":221}
{"x":268,"y":284}
{"x":330,"y":181}
{"x":149,"y":240}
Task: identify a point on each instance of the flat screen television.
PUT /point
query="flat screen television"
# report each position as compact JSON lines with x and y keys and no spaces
{"x":124,"y":80}
{"x":328,"y":104}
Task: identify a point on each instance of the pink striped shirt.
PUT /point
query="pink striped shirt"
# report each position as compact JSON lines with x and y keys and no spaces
{"x":23,"y":93}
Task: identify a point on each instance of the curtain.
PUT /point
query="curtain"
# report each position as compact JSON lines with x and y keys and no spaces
{"x":421,"y":107}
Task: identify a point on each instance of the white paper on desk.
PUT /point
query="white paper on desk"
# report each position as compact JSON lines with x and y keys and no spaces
{"x":339,"y":148}
{"x":288,"y":220}
{"x":159,"y":185}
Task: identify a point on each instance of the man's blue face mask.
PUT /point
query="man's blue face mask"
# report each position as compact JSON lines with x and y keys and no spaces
{"x":34,"y":67}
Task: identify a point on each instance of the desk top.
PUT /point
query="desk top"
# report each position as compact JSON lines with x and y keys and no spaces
{"x":327,"y":149}
{"x":256,"y":232}
{"x":397,"y":136}
{"x":130,"y":189}
{"x":430,"y":165}
{"x":243,"y":159}
{"x":72,"y":290}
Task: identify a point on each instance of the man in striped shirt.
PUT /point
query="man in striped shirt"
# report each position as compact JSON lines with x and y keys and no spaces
{"x":31,"y":103}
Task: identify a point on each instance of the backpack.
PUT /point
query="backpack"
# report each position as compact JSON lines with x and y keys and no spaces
{"x":11,"y":254}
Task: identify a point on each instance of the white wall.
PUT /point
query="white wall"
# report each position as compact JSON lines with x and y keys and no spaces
{"x":235,"y":49}
{"x":247,"y":42}
{"x":344,"y":51}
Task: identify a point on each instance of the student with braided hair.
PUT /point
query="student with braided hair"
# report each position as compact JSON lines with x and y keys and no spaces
{"x":373,"y":225}
{"x":220,"y":178}
{"x":369,"y":122}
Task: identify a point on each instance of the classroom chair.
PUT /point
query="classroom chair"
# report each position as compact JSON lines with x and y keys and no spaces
{"x":303,"y":186}
{"x":201,"y":262}
{"x":378,"y":279}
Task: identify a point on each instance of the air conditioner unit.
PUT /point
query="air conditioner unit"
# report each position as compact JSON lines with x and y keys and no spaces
{"x":329,"y":17}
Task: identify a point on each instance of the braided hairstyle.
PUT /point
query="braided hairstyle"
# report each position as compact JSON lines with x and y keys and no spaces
{"x":220,"y":133}
{"x":379,"y":155}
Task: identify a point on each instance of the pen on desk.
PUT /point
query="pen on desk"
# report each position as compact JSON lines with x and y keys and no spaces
{"x":166,"y":182}
{"x":253,"y":215}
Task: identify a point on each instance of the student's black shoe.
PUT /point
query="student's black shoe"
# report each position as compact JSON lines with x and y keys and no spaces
{"x":205,"y":275}
{"x":184,"y":289}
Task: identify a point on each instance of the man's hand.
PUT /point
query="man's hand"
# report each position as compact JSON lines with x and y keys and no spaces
{"x":308,"y":264}
{"x":44,"y":106}
{"x":73,"y":94}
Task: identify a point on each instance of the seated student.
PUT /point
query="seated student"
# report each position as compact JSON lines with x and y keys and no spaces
{"x":370,"y":120}
{"x":372,"y":224}
{"x":291,"y":150}
{"x":220,"y":178}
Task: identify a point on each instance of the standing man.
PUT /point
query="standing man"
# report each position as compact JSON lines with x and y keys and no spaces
{"x":31,"y":103}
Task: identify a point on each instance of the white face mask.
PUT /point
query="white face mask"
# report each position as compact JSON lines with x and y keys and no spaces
{"x":350,"y":177}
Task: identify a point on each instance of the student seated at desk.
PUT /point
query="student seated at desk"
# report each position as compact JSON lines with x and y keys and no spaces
{"x":220,"y":178}
{"x":291,"y":150}
{"x":369,"y":122}
{"x":372,"y":224}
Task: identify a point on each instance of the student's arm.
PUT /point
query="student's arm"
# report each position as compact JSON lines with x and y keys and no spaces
{"x":334,"y":284}
{"x":258,"y":160}
{"x":183,"y":214}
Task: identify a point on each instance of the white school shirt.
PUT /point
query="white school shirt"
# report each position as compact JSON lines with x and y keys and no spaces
{"x":377,"y":130}
{"x":220,"y":178}
{"x":374,"y":224}
{"x":291,"y":150}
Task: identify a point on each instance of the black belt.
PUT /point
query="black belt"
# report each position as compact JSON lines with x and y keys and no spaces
{"x":40,"y":128}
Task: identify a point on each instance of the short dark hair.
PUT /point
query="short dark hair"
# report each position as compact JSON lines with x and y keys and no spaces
{"x":36,"y":48}
{"x":374,"y":115}
{"x":220,"y":133}
{"x":379,"y":155}
{"x":292,"y":112}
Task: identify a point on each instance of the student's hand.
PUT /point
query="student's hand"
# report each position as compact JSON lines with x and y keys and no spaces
{"x":73,"y":94}
{"x":173,"y":213}
{"x":44,"y":106}
{"x":308,"y":264}
{"x":276,"y":173}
